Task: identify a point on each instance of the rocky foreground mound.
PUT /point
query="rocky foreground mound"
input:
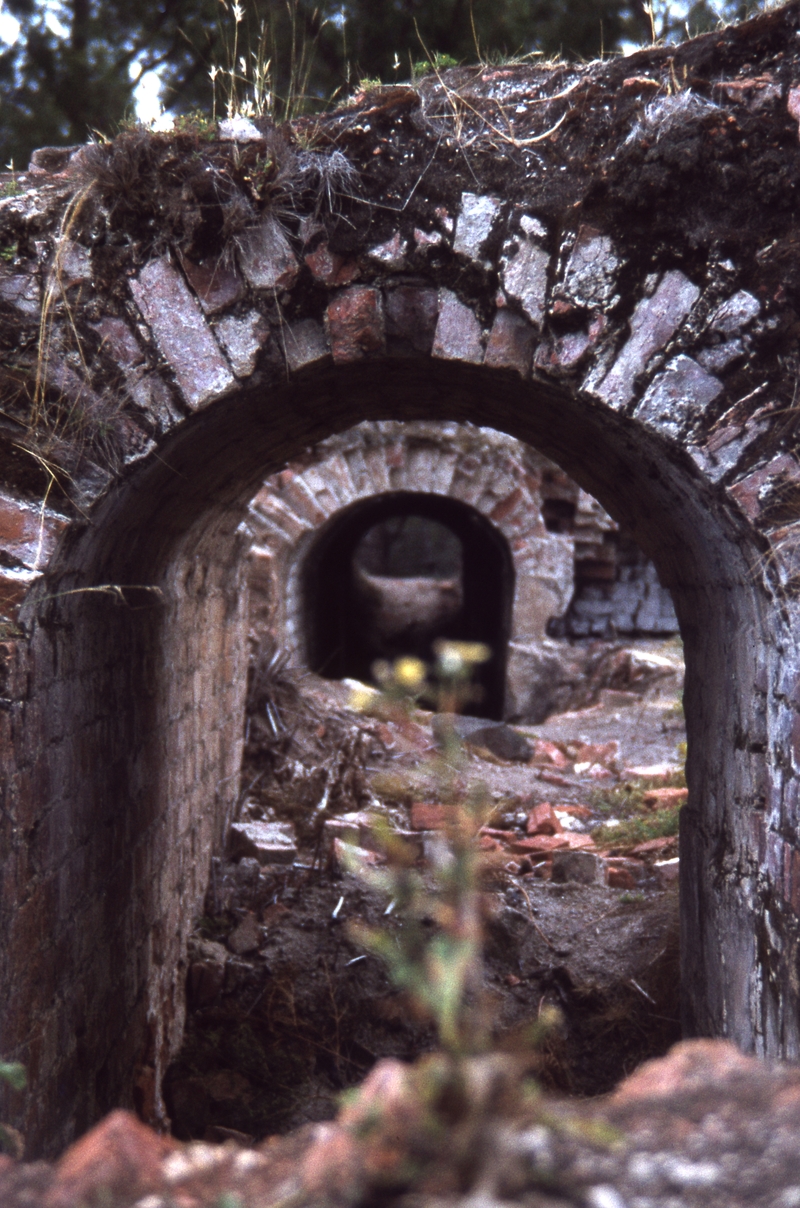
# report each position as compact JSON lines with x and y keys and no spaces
{"x":705,"y":1125}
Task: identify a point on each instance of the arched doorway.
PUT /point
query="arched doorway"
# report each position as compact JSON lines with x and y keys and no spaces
{"x":394,"y":573}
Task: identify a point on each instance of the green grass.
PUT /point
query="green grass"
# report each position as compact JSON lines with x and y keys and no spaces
{"x":638,"y":822}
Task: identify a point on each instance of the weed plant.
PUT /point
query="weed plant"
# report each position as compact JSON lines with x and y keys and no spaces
{"x":13,"y":1074}
{"x":635,"y":822}
{"x":437,"y":956}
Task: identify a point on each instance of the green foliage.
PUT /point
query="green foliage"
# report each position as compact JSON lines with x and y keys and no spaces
{"x":13,"y":1073}
{"x":74,"y":67}
{"x":9,"y":252}
{"x":637,"y":821}
{"x":436,"y":958}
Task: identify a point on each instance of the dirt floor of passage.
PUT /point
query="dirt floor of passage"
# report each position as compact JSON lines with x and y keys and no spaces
{"x":287,"y":1010}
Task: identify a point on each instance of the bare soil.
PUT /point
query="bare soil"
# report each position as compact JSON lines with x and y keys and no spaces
{"x":273,"y":1040}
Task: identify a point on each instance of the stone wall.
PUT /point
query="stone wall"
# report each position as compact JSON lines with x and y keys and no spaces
{"x":181,"y":317}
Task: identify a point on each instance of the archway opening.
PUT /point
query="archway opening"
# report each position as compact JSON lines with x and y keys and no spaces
{"x":393,"y":574}
{"x":158,"y":780}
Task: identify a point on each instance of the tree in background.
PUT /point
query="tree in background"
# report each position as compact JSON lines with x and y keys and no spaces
{"x":74,"y":67}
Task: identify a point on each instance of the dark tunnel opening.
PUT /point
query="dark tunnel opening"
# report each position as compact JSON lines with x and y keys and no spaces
{"x":394,"y":574}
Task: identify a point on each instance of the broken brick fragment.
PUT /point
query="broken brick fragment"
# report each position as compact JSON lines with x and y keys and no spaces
{"x":542,"y":820}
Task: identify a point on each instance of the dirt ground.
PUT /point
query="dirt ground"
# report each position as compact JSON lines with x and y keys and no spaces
{"x":277,"y":1032}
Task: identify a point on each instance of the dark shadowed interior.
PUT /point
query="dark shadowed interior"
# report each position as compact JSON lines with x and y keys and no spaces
{"x":395,"y":573}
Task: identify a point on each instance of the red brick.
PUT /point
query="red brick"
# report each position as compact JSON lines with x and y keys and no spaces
{"x":746,"y":491}
{"x":620,"y":878}
{"x":120,"y":1157}
{"x":355,"y":324}
{"x":510,"y":343}
{"x":411,"y":315}
{"x":216,"y":283}
{"x":540,"y":843}
{"x":543,"y":821}
{"x":661,"y":799}
{"x":549,"y":752}
{"x":330,"y":268}
{"x":429,"y":816}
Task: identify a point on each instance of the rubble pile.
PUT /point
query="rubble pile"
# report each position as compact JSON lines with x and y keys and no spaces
{"x":702,"y":1126}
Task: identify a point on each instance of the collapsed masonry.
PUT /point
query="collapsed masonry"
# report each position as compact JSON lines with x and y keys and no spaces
{"x":599,"y":260}
{"x":570,"y":573}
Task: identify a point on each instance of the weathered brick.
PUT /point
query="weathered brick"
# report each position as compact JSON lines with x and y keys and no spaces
{"x":242,"y":339}
{"x":215,"y":281}
{"x":305,"y":343}
{"x":591,"y":270}
{"x":458,"y":332}
{"x":476,"y":218}
{"x":391,"y":254}
{"x":411,"y":315}
{"x":524,"y":279}
{"x":678,"y":397}
{"x":655,"y":320}
{"x":748,"y":491}
{"x":511,"y":342}
{"x":28,"y":534}
{"x":355,"y":324}
{"x":330,"y":268}
{"x":177,"y":323}
{"x":266,"y":257}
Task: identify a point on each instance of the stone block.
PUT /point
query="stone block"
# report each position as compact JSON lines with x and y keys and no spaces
{"x":411,"y":315}
{"x":266,"y":257}
{"x":391,"y":254}
{"x":511,"y":342}
{"x":28,"y":534}
{"x":591,"y":271}
{"x":119,"y":342}
{"x":305,"y":343}
{"x":22,"y":292}
{"x":215,"y":281}
{"x":653,"y":323}
{"x":750,"y":491}
{"x":458,"y":332}
{"x":735,"y":313}
{"x":330,"y":268}
{"x":179,"y":329}
{"x":582,"y":867}
{"x":72,"y":265}
{"x":476,"y":218}
{"x":524,"y":278}
{"x":678,"y":397}
{"x":242,"y":339}
{"x":667,"y":872}
{"x":720,"y":356}
{"x":495,"y":736}
{"x":246,"y":936}
{"x":355,"y":324}
{"x":267,"y":842}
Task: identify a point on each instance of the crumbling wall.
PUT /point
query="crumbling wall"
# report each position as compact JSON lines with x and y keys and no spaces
{"x":599,"y":260}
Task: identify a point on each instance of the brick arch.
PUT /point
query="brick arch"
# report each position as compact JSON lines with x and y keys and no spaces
{"x":486,"y":581}
{"x":641,"y":345}
{"x":482,"y":470}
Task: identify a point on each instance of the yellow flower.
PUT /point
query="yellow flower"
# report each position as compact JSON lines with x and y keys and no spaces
{"x":409,"y":673}
{"x":456,"y":657}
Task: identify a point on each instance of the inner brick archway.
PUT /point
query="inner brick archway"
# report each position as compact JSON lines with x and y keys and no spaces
{"x":340,"y":631}
{"x":635,"y":322}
